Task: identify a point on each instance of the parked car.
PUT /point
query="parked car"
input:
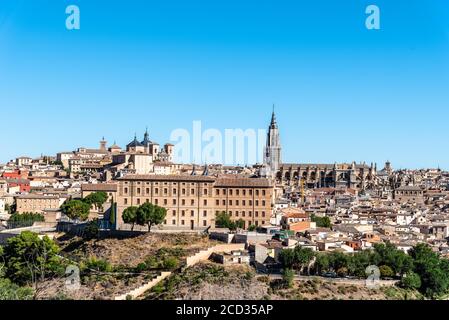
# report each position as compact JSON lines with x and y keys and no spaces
{"x":329,"y":275}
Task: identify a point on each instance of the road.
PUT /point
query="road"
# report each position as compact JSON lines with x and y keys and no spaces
{"x":337,"y":280}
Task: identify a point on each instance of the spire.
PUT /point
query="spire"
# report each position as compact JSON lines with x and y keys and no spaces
{"x":193,"y":170}
{"x":273,"y":120}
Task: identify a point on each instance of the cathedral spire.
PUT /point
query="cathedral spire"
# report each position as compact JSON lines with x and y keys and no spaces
{"x":273,"y":120}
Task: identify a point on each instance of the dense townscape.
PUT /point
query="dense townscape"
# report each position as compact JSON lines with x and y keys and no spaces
{"x":283,"y":223}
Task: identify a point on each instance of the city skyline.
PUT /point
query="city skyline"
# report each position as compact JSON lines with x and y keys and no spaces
{"x":342,"y":93}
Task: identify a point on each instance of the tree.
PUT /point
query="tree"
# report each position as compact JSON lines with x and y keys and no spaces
{"x":91,"y":230}
{"x":252,"y":228}
{"x":287,"y":258}
{"x":223,"y":220}
{"x":287,"y":277}
{"x":322,"y":263}
{"x":386,"y":271}
{"x":76,"y":209}
{"x":321,"y":222}
{"x":29,"y":259}
{"x":112,"y":212}
{"x":26,"y":219}
{"x":10,"y":291}
{"x":411,"y":281}
{"x":130,"y":216}
{"x":97,"y":199}
{"x":150,"y":215}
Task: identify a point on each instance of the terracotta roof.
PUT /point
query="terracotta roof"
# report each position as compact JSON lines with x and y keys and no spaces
{"x":112,"y":187}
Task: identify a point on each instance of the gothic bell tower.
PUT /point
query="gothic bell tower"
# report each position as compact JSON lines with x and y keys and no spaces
{"x":272,"y":157}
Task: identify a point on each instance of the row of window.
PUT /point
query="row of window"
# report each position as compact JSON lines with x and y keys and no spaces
{"x":165,"y":191}
{"x":243,"y":214}
{"x":236,"y":203}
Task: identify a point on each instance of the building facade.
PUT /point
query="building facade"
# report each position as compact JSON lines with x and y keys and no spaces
{"x":192,"y":202}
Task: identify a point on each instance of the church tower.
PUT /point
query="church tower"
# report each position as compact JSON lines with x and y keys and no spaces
{"x":273,"y":149}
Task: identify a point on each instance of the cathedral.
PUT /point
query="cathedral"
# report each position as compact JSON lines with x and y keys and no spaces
{"x":312,"y":175}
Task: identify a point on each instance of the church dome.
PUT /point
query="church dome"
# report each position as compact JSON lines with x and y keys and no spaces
{"x":134,"y":143}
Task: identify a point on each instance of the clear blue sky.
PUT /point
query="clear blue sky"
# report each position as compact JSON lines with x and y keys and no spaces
{"x":342,"y":92}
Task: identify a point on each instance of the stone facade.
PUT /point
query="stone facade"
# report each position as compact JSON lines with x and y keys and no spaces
{"x":192,"y":202}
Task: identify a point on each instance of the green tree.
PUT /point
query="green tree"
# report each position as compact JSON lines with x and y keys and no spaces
{"x":252,"y":228}
{"x":150,"y":215}
{"x":26,"y":219}
{"x":97,"y":199}
{"x":91,"y":231}
{"x":223,"y":220}
{"x":76,"y":209}
{"x":287,"y":258}
{"x":112,"y":212}
{"x":411,"y":281}
{"x":322,"y":263}
{"x":29,"y":259}
{"x":287,"y":278}
{"x":321,"y":222}
{"x":386,"y":271}
{"x":130,"y":216}
{"x":10,"y":291}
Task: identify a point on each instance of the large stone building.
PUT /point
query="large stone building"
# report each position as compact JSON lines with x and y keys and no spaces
{"x":353,"y":175}
{"x":313,"y":175}
{"x":193,"y":201}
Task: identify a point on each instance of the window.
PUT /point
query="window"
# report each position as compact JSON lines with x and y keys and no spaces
{"x":156,"y":190}
{"x":205,"y":192}
{"x":173,"y":222}
{"x":165,"y":190}
{"x":237,"y":192}
{"x":174,"y":201}
{"x":257,"y":192}
{"x":204,"y":223}
{"x":192,"y":202}
{"x":138,"y":190}
{"x":165,"y":202}
{"x":156,"y":201}
{"x":264,"y":192}
{"x":192,"y":191}
{"x":183,"y":222}
{"x":138,"y":201}
{"x":147,"y":190}
{"x":174,"y":191}
{"x":174,"y":212}
{"x":217,"y":202}
{"x":264,"y":203}
{"x":217,"y":192}
{"x":204,"y":213}
{"x":192,"y":213}
{"x":183,"y":213}
{"x":230,"y":202}
{"x":230,"y":192}
{"x":183,"y":191}
{"x":125,"y":191}
{"x":183,"y":201}
{"x":126,"y":201}
{"x":205,"y":202}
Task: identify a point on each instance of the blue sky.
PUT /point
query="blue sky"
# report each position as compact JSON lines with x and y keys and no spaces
{"x":342,"y":92}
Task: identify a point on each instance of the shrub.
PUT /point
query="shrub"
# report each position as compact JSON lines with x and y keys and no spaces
{"x":386,"y":272}
{"x":410,"y":281}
